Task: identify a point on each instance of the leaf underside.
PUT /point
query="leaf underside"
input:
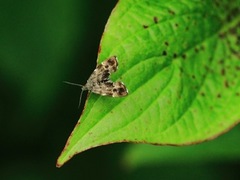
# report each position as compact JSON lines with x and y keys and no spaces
{"x":180,"y":61}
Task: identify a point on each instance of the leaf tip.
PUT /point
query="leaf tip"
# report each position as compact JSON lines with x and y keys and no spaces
{"x":58,"y":165}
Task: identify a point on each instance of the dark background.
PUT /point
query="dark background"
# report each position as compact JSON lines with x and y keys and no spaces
{"x":43,"y":43}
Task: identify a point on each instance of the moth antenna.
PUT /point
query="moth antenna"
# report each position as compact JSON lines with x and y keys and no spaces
{"x":74,"y":84}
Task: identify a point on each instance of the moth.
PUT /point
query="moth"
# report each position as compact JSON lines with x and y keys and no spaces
{"x":100,"y":83}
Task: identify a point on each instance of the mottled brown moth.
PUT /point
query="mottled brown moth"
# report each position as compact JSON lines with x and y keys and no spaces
{"x":100,"y":83}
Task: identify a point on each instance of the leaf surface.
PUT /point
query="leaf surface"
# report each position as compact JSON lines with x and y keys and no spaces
{"x":180,"y":63}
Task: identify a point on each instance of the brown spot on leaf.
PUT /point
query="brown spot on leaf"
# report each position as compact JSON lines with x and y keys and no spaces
{"x":222,"y":35}
{"x":221,"y":61}
{"x":174,"y":55}
{"x":164,"y":53}
{"x":219,"y":96}
{"x":184,"y":56}
{"x":171,"y":12}
{"x":202,"y":48}
{"x":155,"y":19}
{"x":145,"y":26}
{"x":166,"y":43}
{"x":196,"y":49}
{"x":226,"y":84}
{"x":202,"y":94}
{"x":223,"y":71}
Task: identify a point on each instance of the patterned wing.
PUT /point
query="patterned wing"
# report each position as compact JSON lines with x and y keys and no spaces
{"x":101,"y":73}
{"x":106,"y":68}
{"x":100,"y":83}
{"x":109,"y":88}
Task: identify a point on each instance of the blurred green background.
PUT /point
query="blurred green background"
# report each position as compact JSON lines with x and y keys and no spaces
{"x":43,"y":43}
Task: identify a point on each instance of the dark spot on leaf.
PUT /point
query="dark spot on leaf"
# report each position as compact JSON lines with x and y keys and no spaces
{"x":196,"y":49}
{"x":237,"y":68}
{"x":204,"y":76}
{"x":187,"y":28}
{"x":208,"y":69}
{"x":202,"y":48}
{"x":164,"y":53}
{"x":233,"y":30}
{"x":219,"y":96}
{"x":155,"y":19}
{"x":223,"y":71}
{"x":145,"y":26}
{"x":222,"y":35}
{"x":193,"y":76}
{"x":176,"y":25}
{"x":210,"y":58}
{"x":221,"y":61}
{"x":226,"y":84}
{"x":184,"y":56}
{"x":237,"y":94}
{"x":174,"y":55}
{"x":166,"y":43}
{"x":202,"y":94}
{"x":171,"y":12}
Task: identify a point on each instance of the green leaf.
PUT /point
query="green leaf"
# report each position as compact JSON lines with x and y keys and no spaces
{"x":180,"y":62}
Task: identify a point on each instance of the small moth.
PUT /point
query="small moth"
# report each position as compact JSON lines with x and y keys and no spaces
{"x":99,"y":82}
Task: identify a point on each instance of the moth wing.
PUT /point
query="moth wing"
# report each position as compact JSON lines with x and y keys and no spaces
{"x":100,"y":83}
{"x":119,"y":89}
{"x":103,"y":70}
{"x":111,"y":64}
{"x":109,"y":88}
